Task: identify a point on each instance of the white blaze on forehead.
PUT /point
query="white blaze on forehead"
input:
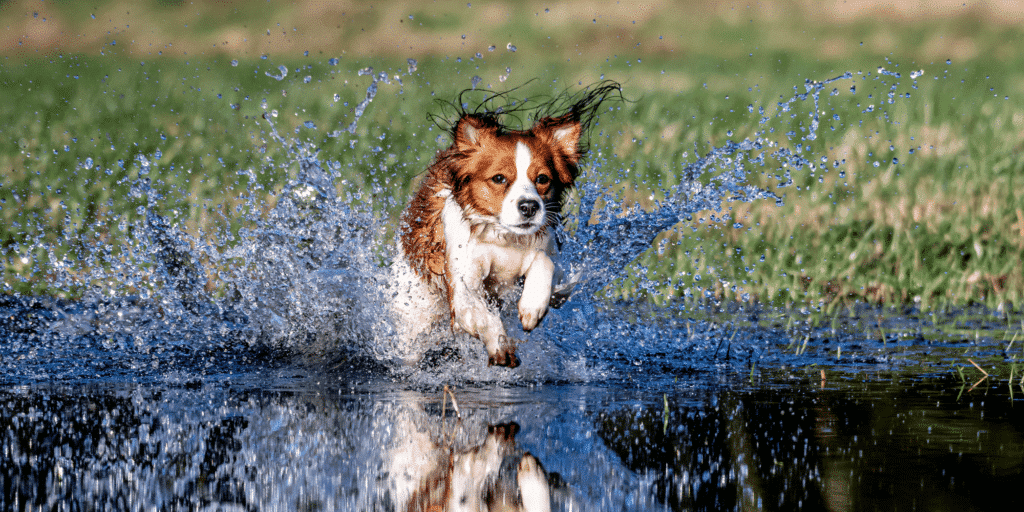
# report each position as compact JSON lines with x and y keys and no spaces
{"x":522,"y":189}
{"x":523,"y":157}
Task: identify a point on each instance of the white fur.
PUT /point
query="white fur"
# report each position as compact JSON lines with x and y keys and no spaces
{"x":522,"y":189}
{"x":474,"y":255}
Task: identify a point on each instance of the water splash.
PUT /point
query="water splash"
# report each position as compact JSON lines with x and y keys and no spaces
{"x":307,"y":271}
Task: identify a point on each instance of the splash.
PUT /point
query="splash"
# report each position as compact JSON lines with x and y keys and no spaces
{"x":308,"y":270}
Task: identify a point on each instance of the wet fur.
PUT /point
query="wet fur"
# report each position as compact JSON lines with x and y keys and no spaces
{"x":482,"y":221}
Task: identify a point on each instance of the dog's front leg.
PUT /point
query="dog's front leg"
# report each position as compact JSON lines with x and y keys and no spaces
{"x":539,"y":272}
{"x":471,"y":314}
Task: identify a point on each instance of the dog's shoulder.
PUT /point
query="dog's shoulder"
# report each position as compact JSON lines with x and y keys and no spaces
{"x":422,"y":227}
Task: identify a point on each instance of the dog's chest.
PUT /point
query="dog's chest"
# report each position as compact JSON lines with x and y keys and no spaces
{"x":498,"y":260}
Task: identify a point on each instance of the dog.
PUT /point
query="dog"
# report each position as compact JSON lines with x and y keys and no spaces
{"x":482,"y":221}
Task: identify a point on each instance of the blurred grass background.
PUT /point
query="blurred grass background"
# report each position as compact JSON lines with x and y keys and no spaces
{"x":924,"y":212}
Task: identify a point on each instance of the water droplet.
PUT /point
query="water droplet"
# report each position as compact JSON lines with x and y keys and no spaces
{"x":463,"y":36}
{"x":282,"y":69}
{"x":510,"y":47}
{"x":307,"y":79}
{"x":948,"y":61}
{"x":473,"y":82}
{"x":332,"y":61}
{"x":234,"y":63}
{"x":309,"y":124}
{"x":490,"y":48}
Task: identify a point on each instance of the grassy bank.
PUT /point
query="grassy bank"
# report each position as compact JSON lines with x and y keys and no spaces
{"x":920,"y":209}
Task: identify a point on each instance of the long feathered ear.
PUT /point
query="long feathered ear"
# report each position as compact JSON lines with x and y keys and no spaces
{"x":566,"y":137}
{"x":473,"y":132}
{"x":562,"y":135}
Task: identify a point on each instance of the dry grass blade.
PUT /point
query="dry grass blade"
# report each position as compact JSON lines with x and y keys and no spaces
{"x":444,"y":401}
{"x":980,"y":369}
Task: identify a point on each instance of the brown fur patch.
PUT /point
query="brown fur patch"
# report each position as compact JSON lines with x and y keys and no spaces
{"x":422,"y":228}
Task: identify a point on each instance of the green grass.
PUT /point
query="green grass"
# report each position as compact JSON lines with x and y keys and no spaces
{"x":942,"y":227}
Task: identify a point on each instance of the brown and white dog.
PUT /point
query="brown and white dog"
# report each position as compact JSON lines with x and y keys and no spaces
{"x":482,"y":220}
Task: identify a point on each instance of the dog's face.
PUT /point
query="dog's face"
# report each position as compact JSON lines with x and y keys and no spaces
{"x":514,"y":179}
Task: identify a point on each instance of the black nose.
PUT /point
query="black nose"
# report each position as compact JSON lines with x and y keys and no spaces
{"x":528,"y":207}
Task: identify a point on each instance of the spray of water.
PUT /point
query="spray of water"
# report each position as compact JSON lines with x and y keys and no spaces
{"x":308,"y":274}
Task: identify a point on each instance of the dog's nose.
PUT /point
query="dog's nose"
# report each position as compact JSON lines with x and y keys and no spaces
{"x":528,"y":207}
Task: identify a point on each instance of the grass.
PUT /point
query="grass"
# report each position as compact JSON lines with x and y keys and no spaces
{"x":921,"y":209}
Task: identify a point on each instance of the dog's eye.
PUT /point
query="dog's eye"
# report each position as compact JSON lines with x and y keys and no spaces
{"x":499,"y":179}
{"x":543,"y":179}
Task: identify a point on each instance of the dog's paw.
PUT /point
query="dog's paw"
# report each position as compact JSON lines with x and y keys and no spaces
{"x":531,"y":315}
{"x":504,"y":355}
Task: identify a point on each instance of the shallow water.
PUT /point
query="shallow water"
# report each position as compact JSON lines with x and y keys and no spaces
{"x":730,"y":419}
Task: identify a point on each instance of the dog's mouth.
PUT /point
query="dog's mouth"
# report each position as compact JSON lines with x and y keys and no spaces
{"x":523,"y":228}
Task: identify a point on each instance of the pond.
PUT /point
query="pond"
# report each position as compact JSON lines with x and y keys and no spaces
{"x":742,"y":421}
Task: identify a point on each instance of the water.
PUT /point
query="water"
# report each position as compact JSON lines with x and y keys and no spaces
{"x":285,"y":438}
{"x":278,"y":388}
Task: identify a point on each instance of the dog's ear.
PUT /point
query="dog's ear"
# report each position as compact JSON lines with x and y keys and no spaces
{"x":562,"y":134}
{"x":473,"y":132}
{"x":567,"y":138}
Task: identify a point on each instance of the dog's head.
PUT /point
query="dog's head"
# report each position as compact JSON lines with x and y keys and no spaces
{"x":514,"y":179}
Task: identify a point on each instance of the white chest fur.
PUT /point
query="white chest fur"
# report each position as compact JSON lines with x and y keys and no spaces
{"x":482,"y":252}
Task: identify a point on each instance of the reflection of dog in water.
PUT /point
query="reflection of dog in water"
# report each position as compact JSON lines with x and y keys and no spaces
{"x":427,"y":476}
